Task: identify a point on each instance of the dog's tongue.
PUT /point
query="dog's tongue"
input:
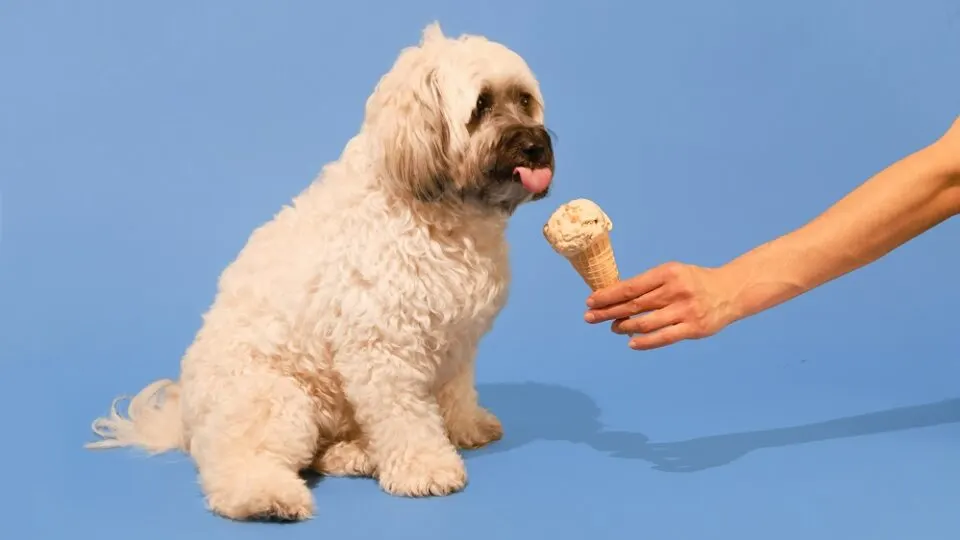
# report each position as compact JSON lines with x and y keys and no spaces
{"x":534,"y":180}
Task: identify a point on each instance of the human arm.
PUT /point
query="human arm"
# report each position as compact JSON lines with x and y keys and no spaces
{"x":678,"y":301}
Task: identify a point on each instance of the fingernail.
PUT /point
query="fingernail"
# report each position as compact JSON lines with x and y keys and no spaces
{"x":590,"y":302}
{"x":589,"y":317}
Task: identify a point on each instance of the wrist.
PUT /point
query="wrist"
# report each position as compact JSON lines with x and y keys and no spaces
{"x":759,"y":280}
{"x":731,"y":280}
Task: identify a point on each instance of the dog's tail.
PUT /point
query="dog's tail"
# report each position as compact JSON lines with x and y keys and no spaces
{"x":151,"y":424}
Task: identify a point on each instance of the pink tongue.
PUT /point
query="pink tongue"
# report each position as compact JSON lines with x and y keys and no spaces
{"x":534,"y":180}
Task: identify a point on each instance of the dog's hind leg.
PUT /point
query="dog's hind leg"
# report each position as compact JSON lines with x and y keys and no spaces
{"x":259,"y":431}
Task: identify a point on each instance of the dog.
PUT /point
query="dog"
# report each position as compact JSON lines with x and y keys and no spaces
{"x":343,"y":337}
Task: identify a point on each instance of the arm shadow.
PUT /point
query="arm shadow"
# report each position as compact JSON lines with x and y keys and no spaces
{"x":536,"y":412}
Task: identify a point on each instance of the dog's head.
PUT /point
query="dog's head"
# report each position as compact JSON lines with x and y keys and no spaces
{"x":461,"y":121}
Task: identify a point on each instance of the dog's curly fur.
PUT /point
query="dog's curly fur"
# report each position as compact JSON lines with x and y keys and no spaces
{"x":343,"y":336}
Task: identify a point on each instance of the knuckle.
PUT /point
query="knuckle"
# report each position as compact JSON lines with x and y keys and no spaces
{"x":683,"y":291}
{"x":675,"y":295}
{"x":694,"y":327}
{"x":640,"y":324}
{"x":672,"y":270}
{"x":699,"y":328}
{"x":669,"y":291}
{"x":629,"y":289}
{"x":693,"y":310}
{"x":678,"y":289}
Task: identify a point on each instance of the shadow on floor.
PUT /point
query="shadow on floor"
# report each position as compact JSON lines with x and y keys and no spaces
{"x":532,"y":412}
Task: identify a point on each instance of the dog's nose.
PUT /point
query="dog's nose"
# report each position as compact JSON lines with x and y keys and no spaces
{"x":533,"y":150}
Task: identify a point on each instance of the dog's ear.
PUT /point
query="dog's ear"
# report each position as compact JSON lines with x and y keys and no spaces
{"x":409,"y":121}
{"x":432,"y":32}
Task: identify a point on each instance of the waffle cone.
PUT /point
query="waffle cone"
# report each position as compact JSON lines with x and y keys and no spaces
{"x":596,"y":264}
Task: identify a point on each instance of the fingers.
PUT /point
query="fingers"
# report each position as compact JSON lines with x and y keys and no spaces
{"x":650,"y":322}
{"x":625,"y":290}
{"x":667,"y":335}
{"x":652,"y":300}
{"x":638,"y":294}
{"x":656,"y":329}
{"x":662,"y":306}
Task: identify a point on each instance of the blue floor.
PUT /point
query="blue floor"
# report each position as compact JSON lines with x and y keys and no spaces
{"x":140,"y":143}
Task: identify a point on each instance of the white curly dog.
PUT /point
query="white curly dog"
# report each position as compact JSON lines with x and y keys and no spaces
{"x":343,"y":337}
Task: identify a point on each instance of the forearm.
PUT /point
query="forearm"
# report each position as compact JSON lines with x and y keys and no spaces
{"x":893,"y":207}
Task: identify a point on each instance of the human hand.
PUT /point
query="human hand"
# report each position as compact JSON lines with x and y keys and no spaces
{"x":673,"y":302}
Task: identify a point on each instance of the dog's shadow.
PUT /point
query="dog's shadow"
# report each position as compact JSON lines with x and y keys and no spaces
{"x":532,"y":411}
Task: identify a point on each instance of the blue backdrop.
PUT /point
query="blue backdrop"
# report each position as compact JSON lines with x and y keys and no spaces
{"x":140,"y":143}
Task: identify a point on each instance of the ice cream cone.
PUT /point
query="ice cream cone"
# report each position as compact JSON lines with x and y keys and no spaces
{"x":596,"y":264}
{"x":580,"y":231}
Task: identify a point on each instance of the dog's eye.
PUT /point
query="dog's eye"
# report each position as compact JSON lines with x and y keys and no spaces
{"x":525,"y":100}
{"x":483,"y":103}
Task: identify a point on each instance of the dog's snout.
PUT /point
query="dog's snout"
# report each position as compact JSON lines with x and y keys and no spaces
{"x":533,"y":150}
{"x":533,"y":144}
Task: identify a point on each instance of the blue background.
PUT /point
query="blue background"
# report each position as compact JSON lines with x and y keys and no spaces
{"x":140,"y":143}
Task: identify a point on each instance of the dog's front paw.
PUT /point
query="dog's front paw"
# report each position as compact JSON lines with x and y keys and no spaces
{"x":424,"y":474}
{"x":479,"y":430}
{"x":344,"y":458}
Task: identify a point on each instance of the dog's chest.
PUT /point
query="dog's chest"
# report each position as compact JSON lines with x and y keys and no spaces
{"x":465,"y":283}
